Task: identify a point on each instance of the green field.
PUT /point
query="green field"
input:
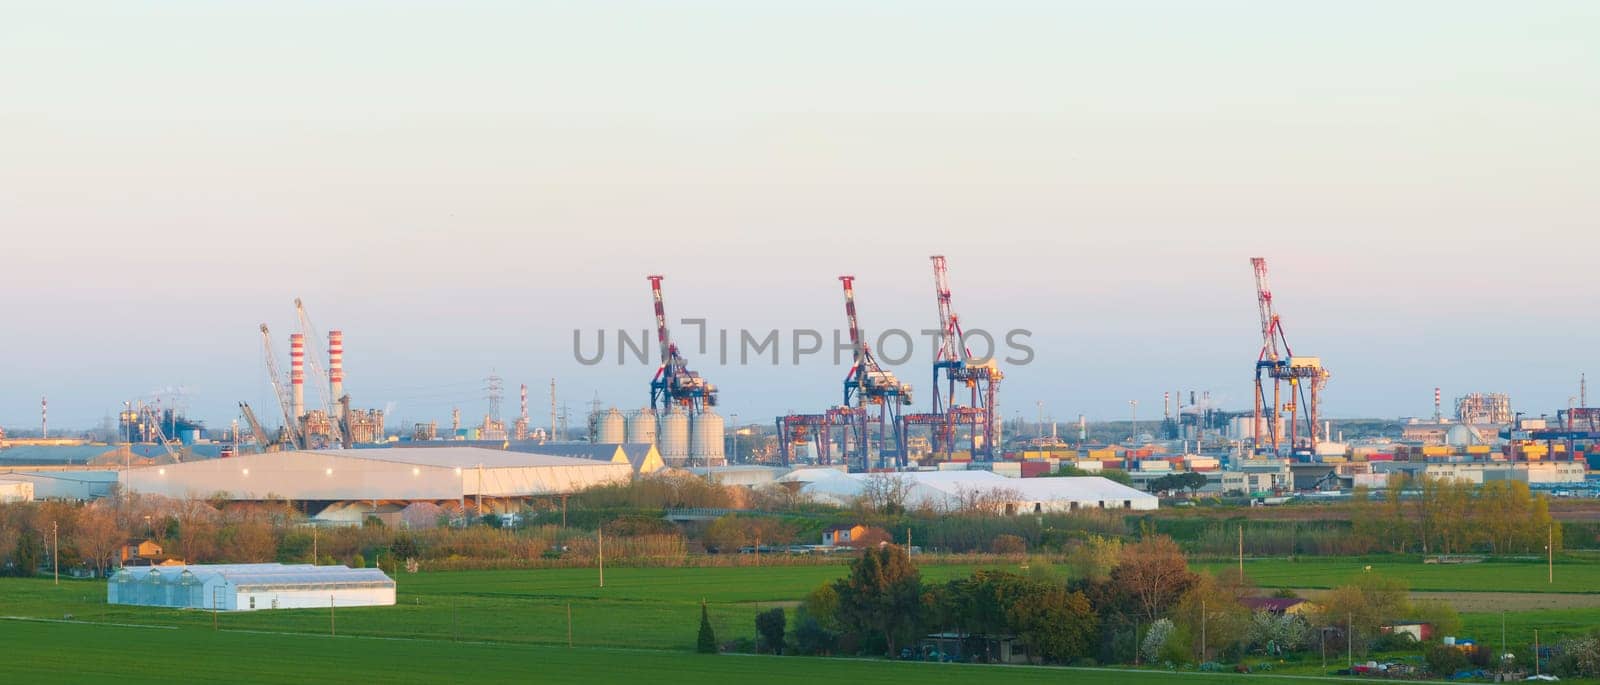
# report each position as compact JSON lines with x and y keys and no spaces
{"x":63,"y":652}
{"x":1488,"y":576}
{"x":509,"y":625}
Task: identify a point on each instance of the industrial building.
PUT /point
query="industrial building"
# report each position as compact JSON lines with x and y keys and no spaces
{"x":250,"y":587}
{"x":12,"y":490}
{"x":323,"y":478}
{"x":643,"y":458}
{"x":948,"y":490}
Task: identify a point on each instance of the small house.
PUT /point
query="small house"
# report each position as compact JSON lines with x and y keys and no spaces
{"x":842,"y":535}
{"x":141,"y":553}
{"x":1278,"y":606}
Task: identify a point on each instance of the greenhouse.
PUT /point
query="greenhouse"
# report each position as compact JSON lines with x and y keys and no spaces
{"x":250,"y":587}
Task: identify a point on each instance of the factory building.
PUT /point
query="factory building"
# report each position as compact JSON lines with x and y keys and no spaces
{"x":250,"y":587}
{"x":15,"y":491}
{"x":323,"y":478}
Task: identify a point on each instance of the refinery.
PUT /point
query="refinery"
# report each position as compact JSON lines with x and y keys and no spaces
{"x":1280,"y":446}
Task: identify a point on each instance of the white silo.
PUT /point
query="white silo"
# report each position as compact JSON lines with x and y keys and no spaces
{"x":611,"y":430}
{"x":706,"y":439}
{"x":673,"y":436}
{"x":642,"y":427}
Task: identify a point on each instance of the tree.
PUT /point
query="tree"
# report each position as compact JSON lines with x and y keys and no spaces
{"x":1055,"y":625}
{"x":882,"y":596}
{"x":770,"y":625}
{"x":810,"y":636}
{"x":1155,"y":640}
{"x":1095,"y":558}
{"x":884,"y":494}
{"x":1154,"y":572}
{"x":98,"y":538}
{"x":1211,"y":614}
{"x":707,"y":643}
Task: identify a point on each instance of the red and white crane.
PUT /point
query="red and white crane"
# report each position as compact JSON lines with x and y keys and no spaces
{"x":1304,"y":376}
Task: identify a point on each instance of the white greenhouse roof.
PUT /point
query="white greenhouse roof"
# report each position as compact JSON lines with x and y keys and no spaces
{"x":261,"y":575}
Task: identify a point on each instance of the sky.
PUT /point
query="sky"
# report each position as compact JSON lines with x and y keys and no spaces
{"x":460,"y":186}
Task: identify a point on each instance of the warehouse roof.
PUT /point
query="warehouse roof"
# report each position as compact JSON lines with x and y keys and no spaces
{"x":260,"y":575}
{"x":457,"y":457}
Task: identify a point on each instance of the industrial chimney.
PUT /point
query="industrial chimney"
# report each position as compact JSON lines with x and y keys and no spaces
{"x":336,"y":369}
{"x":297,"y":372}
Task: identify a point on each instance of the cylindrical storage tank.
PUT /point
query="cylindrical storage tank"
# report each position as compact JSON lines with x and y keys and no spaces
{"x":673,"y":435}
{"x":706,"y":438}
{"x":611,"y":428}
{"x":642,"y":427}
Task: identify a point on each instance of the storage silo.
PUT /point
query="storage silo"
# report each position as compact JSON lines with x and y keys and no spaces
{"x":612,"y":428}
{"x":673,"y":436}
{"x":642,"y":427}
{"x":706,"y":439}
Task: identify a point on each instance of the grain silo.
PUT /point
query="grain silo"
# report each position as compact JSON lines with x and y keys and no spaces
{"x":706,"y":439}
{"x":642,"y":427}
{"x":611,"y":429}
{"x":673,"y":437}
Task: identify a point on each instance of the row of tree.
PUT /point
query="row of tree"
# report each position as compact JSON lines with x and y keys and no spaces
{"x":1120,"y":603}
{"x":1449,"y":516}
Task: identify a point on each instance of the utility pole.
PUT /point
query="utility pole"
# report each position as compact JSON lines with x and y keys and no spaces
{"x":313,"y":544}
{"x":1550,"y":551}
{"x":1241,"y":554}
{"x":55,"y":557}
{"x":1350,"y":638}
{"x":600,"y":536}
{"x":333,"y":625}
{"x":1202,"y":631}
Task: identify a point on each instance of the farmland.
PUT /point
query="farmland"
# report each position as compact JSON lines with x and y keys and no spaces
{"x":503,"y":625}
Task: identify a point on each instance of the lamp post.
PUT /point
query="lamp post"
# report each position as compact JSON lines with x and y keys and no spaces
{"x":734,"y":419}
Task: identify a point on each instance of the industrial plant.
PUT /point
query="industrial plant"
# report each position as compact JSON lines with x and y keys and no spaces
{"x":1281,"y":446}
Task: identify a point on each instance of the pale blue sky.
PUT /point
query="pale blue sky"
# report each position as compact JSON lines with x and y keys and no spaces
{"x":459,"y":185}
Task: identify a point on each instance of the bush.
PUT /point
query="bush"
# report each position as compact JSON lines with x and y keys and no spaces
{"x":1008,"y":544}
{"x":770,"y":625}
{"x":810,"y":637}
{"x":707,"y":643}
{"x":1445,"y":660}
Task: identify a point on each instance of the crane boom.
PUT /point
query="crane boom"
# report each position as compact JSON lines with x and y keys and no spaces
{"x":255,"y":426}
{"x":289,"y":420}
{"x":662,"y":337}
{"x":850,"y":319}
{"x":949,"y":344}
{"x":1269,"y":318}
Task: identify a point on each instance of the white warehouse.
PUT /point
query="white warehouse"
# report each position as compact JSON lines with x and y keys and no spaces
{"x":250,"y":587}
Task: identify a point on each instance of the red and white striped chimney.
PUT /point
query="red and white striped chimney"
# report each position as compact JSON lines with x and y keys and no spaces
{"x":297,"y":372}
{"x":336,"y":367}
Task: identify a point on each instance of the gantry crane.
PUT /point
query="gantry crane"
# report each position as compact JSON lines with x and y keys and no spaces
{"x":981,"y":377}
{"x":1305,"y":377}
{"x":674,"y":383}
{"x":869,"y":387}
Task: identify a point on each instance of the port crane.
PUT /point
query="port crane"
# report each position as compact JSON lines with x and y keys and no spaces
{"x":1304,"y":377}
{"x":981,"y":377}
{"x":674,"y":383}
{"x":290,"y":421}
{"x":868,"y":388}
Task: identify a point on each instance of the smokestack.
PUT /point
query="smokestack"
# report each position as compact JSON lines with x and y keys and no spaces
{"x":336,"y":369}
{"x":524,"y":403}
{"x":44,"y":417}
{"x":297,"y":372}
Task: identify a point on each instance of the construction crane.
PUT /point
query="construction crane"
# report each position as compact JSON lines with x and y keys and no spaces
{"x":981,"y":377}
{"x":868,"y":387}
{"x":1304,"y":376}
{"x":319,"y":376}
{"x":290,"y":421}
{"x":674,"y":383}
{"x":262,"y":441}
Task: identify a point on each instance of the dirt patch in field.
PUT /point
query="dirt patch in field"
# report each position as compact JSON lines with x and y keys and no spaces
{"x":1484,"y":602}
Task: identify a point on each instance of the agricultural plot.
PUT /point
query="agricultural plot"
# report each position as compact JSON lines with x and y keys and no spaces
{"x":1489,"y":576}
{"x":77,"y":652}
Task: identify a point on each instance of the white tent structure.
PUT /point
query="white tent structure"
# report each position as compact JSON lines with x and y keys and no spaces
{"x":250,"y":587}
{"x":949,"y":490}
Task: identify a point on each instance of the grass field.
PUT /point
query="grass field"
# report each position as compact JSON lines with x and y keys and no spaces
{"x":75,"y":652}
{"x":1489,"y":576}
{"x":504,"y":625}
